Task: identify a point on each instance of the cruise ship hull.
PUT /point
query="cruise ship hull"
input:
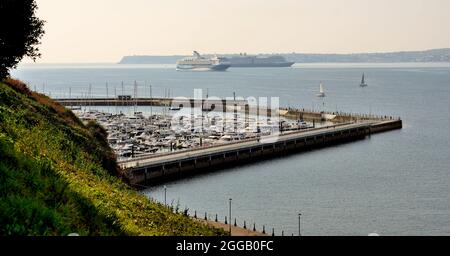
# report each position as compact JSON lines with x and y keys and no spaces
{"x":218,"y":67}
{"x":262,"y":65}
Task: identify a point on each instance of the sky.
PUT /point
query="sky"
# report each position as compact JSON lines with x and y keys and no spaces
{"x":102,"y":31}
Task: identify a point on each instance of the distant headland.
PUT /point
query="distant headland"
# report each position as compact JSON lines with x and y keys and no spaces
{"x":434,"y":55}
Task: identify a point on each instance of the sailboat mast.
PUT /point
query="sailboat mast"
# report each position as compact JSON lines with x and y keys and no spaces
{"x":135,"y":96}
{"x":151,"y":103}
{"x":115,"y":97}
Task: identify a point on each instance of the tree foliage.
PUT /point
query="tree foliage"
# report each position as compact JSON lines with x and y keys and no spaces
{"x":20,"y":33}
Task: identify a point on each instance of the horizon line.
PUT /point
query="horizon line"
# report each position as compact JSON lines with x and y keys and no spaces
{"x":28,"y":61}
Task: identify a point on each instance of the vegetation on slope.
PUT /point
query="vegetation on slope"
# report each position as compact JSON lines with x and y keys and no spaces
{"x":59,"y":176}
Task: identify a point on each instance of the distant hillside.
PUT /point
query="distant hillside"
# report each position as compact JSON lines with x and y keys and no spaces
{"x":147,"y":59}
{"x":58,"y":176}
{"x":436,"y":55}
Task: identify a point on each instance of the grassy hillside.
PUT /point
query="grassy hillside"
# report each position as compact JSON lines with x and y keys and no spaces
{"x":58,"y":176}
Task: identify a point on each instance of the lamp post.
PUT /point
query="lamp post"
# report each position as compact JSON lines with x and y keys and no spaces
{"x":165,"y":195}
{"x":299,"y":232}
{"x":230,"y":216}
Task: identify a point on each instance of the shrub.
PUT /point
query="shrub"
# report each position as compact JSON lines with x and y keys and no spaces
{"x":18,"y":86}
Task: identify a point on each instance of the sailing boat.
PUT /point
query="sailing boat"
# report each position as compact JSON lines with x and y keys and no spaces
{"x":321,"y":91}
{"x":363,"y":82}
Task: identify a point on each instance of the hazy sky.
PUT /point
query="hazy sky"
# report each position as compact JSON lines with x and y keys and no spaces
{"x":105,"y":30}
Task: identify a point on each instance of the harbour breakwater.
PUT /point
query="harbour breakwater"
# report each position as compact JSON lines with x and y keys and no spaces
{"x":157,"y":168}
{"x":238,"y":105}
{"x":127,"y":100}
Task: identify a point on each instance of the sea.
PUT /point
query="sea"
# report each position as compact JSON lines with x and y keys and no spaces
{"x":394,"y":183}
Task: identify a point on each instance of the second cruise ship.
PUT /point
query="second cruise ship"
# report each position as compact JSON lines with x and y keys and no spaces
{"x":246,"y":61}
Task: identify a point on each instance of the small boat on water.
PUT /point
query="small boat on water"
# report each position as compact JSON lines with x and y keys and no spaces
{"x":139,"y":115}
{"x":363,"y":82}
{"x":208,"y":109}
{"x":151,"y":150}
{"x":174,"y":108}
{"x":321,"y":93}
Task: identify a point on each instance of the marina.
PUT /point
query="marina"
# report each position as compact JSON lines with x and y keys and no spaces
{"x":379,"y":183}
{"x":181,"y":141}
{"x":137,"y":135}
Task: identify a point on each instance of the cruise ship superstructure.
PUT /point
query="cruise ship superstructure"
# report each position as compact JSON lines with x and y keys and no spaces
{"x":200,"y":63}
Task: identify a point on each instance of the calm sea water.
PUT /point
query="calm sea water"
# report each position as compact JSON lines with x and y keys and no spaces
{"x":395,"y":183}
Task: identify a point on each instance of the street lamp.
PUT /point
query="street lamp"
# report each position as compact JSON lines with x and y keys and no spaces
{"x":165,"y":195}
{"x":230,"y":216}
{"x":299,"y":232}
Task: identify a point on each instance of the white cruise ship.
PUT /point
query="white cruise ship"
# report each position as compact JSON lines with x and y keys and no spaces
{"x":200,"y":63}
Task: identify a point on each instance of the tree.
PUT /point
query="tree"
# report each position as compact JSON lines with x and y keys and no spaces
{"x":20,"y":33}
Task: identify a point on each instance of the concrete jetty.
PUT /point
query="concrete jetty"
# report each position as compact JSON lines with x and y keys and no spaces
{"x":155,"y":101}
{"x":159,"y":167}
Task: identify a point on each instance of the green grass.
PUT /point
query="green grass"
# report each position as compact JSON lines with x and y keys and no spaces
{"x":59,"y":176}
